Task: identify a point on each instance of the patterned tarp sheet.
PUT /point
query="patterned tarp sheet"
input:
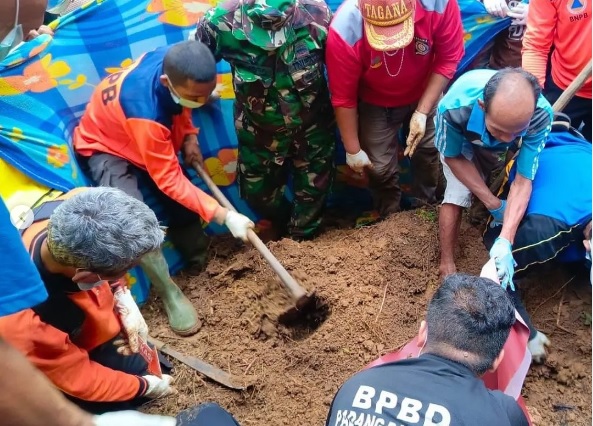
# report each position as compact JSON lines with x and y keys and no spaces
{"x":46,"y":83}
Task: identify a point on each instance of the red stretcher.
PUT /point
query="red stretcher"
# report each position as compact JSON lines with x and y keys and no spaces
{"x":510,"y":374}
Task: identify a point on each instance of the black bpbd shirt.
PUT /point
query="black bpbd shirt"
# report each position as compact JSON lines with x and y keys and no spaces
{"x":425,"y":391}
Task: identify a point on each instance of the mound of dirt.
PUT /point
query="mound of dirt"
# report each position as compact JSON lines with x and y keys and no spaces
{"x":372,"y":286}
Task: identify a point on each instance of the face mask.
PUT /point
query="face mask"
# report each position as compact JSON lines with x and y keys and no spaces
{"x":89,"y":286}
{"x":185,"y":102}
{"x":181,"y":101}
{"x":13,"y":38}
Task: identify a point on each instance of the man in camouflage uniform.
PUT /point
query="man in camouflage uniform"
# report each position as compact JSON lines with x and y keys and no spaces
{"x":282,"y":110}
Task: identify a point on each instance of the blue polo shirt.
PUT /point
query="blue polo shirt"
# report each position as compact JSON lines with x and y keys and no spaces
{"x":460,"y":121}
{"x":20,"y":284}
{"x":563,"y":187}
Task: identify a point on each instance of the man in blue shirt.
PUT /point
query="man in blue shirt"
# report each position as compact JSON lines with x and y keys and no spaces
{"x":557,"y":222}
{"x":481,"y":116}
{"x":21,"y":286}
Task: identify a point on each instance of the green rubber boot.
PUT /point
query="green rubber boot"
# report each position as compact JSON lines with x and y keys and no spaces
{"x":182,"y":315}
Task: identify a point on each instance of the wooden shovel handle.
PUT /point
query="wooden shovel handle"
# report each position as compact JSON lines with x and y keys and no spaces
{"x":290,"y":283}
{"x":572,"y":88}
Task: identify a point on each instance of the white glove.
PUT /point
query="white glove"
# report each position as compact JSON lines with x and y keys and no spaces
{"x":132,"y":418}
{"x":238,"y":224}
{"x":159,"y":387}
{"x":131,"y":319}
{"x":519,"y":14}
{"x":358,"y":161}
{"x":417,"y":131}
{"x":496,"y":7}
{"x":537,"y":347}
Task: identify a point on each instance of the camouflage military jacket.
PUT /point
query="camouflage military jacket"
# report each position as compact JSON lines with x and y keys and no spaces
{"x":281,"y":89}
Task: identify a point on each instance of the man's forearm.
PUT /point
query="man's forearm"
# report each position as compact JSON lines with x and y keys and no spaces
{"x":517,"y":202}
{"x":434,"y":89}
{"x":347,"y":119}
{"x":27,"y":398}
{"x":468,"y":174}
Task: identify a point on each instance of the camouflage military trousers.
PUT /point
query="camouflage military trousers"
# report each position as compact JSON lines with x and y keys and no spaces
{"x":267,"y":158}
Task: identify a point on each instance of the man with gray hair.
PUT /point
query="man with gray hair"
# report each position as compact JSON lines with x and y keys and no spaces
{"x":83,"y":243}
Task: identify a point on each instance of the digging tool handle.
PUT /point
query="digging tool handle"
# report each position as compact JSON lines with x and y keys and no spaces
{"x":293,"y":287}
{"x":572,"y":88}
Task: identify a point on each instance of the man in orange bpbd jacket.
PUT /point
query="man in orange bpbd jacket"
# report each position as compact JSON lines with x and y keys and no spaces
{"x":82,"y":243}
{"x":137,"y":121}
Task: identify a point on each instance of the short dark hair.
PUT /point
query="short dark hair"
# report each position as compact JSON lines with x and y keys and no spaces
{"x":470,"y":314}
{"x":494,"y":83}
{"x":189,"y":60}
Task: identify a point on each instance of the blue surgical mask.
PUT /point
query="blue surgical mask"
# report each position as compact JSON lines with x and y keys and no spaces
{"x":13,"y":38}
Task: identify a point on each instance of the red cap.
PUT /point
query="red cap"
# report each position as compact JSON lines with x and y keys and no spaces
{"x":388,"y":24}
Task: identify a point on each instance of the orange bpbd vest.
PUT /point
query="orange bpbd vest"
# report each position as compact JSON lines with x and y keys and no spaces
{"x":87,"y":317}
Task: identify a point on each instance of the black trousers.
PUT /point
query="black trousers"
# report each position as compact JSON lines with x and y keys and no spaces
{"x":107,"y":355}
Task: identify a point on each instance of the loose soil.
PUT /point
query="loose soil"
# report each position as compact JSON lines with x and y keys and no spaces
{"x":372,"y":285}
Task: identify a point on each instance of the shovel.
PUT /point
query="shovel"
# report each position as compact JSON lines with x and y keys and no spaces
{"x":301,"y":299}
{"x":208,"y":370}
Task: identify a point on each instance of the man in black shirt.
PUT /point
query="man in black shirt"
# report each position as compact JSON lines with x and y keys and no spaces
{"x":468,"y":321}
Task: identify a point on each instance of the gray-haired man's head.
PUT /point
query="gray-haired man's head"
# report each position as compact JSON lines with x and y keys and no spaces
{"x":102,"y":230}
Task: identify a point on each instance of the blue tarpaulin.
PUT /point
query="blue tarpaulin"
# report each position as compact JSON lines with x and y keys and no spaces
{"x":46,"y":83}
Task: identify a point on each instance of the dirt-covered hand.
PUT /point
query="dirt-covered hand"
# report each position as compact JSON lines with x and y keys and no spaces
{"x":131,"y":318}
{"x":191,"y":151}
{"x":358,"y":161}
{"x":238,"y":224}
{"x":417,"y":131}
{"x":537,"y":347}
{"x":159,"y":387}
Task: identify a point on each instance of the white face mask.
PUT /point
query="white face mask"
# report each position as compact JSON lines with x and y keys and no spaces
{"x":185,"y":102}
{"x":89,"y":286}
{"x":182,"y":101}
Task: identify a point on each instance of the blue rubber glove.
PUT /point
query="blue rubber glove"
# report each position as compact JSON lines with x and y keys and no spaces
{"x":498,"y":214}
{"x":503,"y":259}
